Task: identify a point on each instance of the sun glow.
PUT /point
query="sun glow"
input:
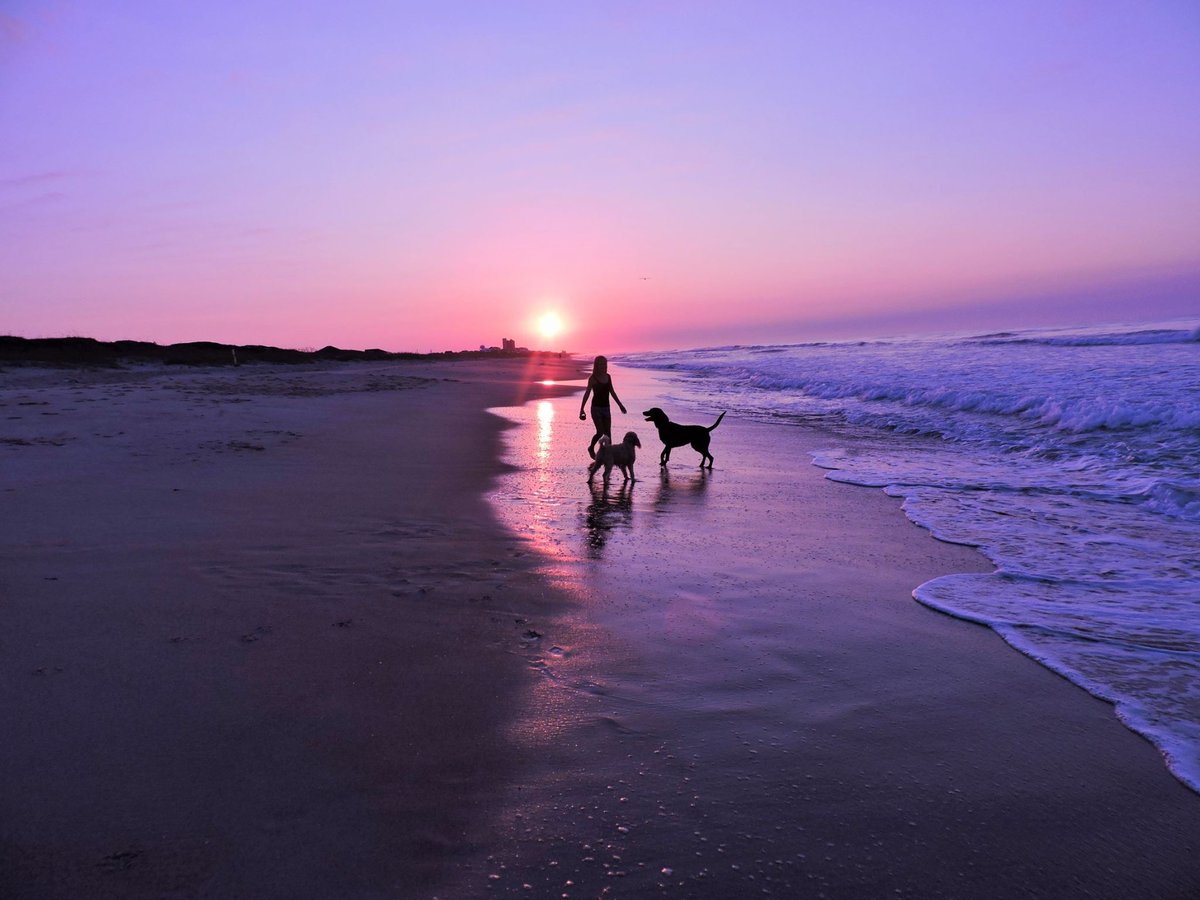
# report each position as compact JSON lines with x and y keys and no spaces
{"x":550,"y":325}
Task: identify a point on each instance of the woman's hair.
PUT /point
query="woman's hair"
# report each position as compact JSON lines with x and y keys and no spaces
{"x":600,"y":365}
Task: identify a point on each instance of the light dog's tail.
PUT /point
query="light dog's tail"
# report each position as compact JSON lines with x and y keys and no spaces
{"x":716,"y":423}
{"x":598,"y":461}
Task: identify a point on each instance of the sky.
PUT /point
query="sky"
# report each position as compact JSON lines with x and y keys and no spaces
{"x":430,"y":176}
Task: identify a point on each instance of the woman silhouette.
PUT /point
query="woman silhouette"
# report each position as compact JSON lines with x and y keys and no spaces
{"x":599,"y":388}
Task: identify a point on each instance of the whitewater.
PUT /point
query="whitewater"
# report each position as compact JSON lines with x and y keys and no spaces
{"x":1067,"y":456}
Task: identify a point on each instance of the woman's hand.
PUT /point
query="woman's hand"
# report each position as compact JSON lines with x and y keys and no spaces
{"x":582,"y":416}
{"x":622,"y":405}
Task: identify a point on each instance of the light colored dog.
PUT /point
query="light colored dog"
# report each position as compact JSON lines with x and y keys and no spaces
{"x":621,"y":455}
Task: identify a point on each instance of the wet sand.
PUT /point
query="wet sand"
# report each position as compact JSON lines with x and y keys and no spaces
{"x":261,"y":634}
{"x":744,"y":699}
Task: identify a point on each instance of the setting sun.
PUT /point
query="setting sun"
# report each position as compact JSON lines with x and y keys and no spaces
{"x":549,"y":325}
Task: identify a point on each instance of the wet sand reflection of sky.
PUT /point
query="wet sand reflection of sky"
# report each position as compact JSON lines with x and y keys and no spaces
{"x":548,"y":500}
{"x":529,"y":498}
{"x":534,"y":500}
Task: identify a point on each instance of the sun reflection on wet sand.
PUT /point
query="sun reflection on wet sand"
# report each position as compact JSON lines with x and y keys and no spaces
{"x":532,"y":498}
{"x":545,"y":416}
{"x":548,"y":482}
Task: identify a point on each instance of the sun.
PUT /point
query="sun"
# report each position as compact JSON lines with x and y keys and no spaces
{"x":549,"y":325}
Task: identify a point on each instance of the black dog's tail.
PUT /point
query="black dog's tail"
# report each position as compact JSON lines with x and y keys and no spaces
{"x":716,"y":423}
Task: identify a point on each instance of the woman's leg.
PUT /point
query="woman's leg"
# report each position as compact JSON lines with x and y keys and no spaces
{"x":602,"y":420}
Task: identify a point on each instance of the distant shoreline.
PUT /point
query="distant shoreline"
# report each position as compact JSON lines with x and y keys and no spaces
{"x":83,"y":351}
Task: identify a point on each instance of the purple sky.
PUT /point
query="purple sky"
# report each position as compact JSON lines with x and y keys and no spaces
{"x":421,"y":176}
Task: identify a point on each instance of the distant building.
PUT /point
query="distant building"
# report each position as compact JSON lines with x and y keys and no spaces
{"x":508,"y":344}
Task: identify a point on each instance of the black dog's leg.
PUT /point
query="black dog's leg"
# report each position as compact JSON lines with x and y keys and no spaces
{"x":666,"y":454}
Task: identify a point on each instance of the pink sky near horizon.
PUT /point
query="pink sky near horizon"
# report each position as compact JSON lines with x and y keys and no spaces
{"x":421,"y":176}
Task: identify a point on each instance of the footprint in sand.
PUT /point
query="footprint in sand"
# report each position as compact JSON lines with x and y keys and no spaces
{"x":119,"y":861}
{"x":257,"y":634}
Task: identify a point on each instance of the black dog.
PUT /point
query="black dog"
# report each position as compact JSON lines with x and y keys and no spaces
{"x":674,"y":435}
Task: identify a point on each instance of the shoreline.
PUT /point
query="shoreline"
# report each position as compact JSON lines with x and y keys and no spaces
{"x":699,"y":688}
{"x":1065,"y":457}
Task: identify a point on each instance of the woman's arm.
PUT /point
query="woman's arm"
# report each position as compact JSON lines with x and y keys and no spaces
{"x":583,"y":402}
{"x":612,"y":388}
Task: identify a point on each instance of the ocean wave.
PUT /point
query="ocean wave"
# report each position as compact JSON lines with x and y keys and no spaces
{"x":1171,"y":498}
{"x":1074,"y":415}
{"x":1093,"y":415}
{"x":1110,"y":339}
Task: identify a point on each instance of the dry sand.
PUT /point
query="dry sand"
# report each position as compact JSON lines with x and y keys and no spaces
{"x":261,"y":635}
{"x":248,"y":628}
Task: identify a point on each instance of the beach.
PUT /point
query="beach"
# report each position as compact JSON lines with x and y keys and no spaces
{"x":248,"y":644}
{"x":366,"y":630}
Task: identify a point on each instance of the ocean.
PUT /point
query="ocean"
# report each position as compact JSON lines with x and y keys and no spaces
{"x":1067,"y":456}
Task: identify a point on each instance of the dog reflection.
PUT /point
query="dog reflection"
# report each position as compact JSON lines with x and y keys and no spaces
{"x":609,"y":509}
{"x":688,"y":490}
